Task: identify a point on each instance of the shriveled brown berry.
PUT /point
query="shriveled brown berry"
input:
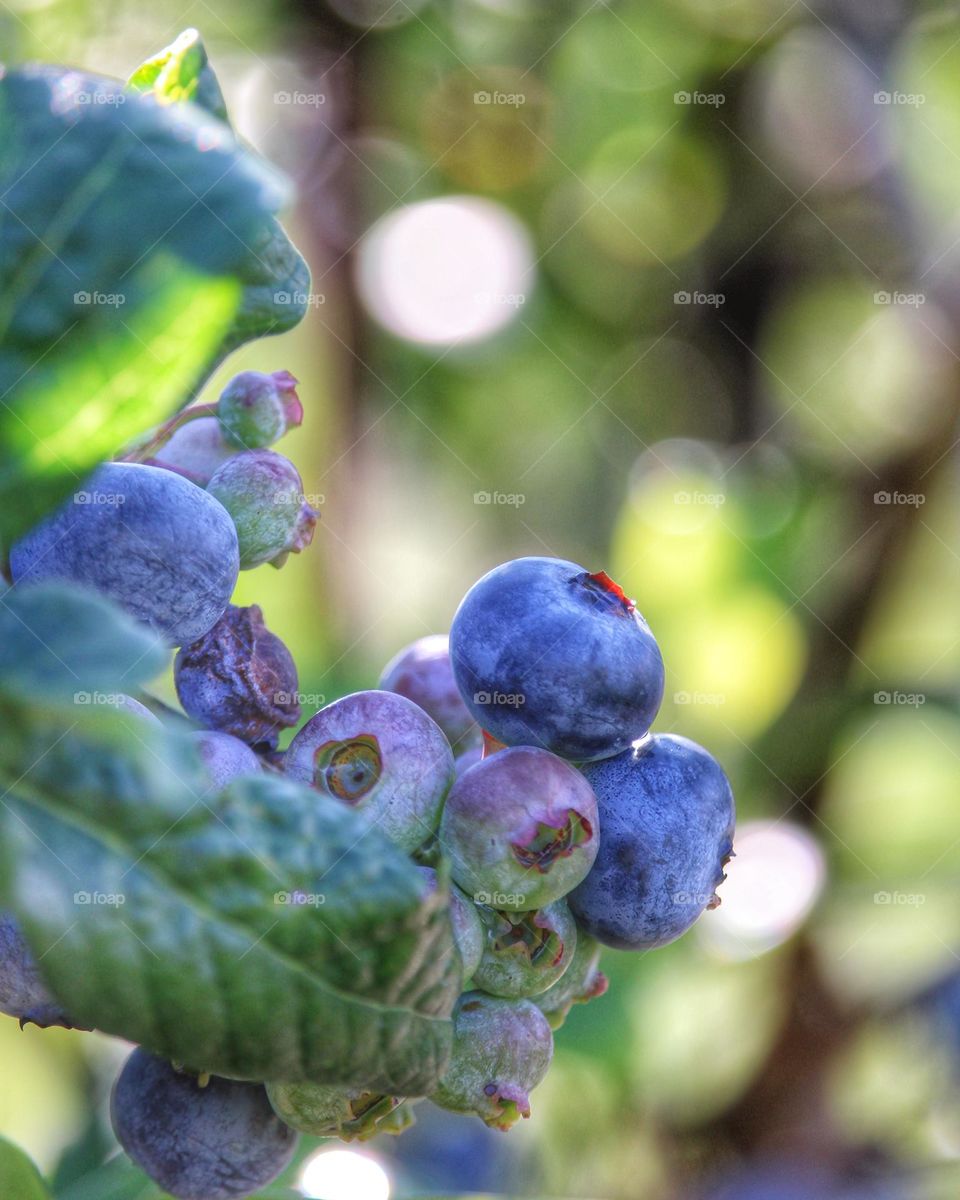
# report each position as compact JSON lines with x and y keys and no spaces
{"x":239,"y":679}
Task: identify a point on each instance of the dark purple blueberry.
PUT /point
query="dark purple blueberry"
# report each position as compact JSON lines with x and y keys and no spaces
{"x":667,"y":815}
{"x":158,"y":545}
{"x":214,"y":1140}
{"x":23,"y":994}
{"x":548,"y":654}
{"x":422,"y":672}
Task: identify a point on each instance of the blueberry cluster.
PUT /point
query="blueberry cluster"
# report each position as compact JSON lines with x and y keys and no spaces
{"x":513,"y":762}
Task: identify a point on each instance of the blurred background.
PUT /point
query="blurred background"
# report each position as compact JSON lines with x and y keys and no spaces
{"x":669,"y":288}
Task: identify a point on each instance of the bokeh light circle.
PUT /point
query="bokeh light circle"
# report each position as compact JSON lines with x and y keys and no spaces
{"x":344,"y":1175}
{"x":771,"y":886}
{"x":446,"y":271}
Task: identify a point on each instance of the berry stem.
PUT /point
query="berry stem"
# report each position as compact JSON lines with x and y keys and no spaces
{"x":163,"y":433}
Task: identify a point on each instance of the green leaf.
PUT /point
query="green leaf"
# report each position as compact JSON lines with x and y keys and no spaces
{"x":19,"y":1178}
{"x":162,"y":913}
{"x":181,"y":72}
{"x":61,"y":643}
{"x":276,"y":279}
{"x":129,"y":233}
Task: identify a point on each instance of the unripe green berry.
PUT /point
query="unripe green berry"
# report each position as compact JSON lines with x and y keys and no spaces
{"x":501,"y":1051}
{"x":582,"y":981}
{"x":525,"y":953}
{"x":263,"y":493}
{"x":256,"y":409}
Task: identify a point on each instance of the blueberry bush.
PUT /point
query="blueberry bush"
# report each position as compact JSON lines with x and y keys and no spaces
{"x":306,"y":940}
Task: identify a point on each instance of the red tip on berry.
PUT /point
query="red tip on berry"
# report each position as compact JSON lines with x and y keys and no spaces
{"x":602,"y":579}
{"x":491,"y":745}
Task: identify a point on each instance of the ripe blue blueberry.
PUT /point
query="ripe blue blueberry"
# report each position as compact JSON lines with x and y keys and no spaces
{"x":224,"y":758}
{"x":256,"y":409}
{"x":23,"y":994}
{"x":547,"y":654}
{"x":422,"y":672}
{"x":582,"y":981}
{"x":468,"y":932}
{"x":263,"y":493}
{"x":527,"y":952}
{"x":162,"y":548}
{"x":520,"y":828}
{"x":239,"y":678}
{"x":347,"y":1113}
{"x":501,"y":1051}
{"x":667,"y":815}
{"x":381,"y":754}
{"x":211,"y":1142}
{"x":195,"y":450}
